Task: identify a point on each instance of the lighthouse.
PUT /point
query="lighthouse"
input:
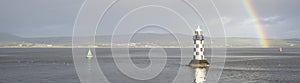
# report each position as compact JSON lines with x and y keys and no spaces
{"x":199,"y":60}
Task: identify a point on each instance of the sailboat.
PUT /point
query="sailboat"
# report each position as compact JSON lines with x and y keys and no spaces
{"x":89,"y":55}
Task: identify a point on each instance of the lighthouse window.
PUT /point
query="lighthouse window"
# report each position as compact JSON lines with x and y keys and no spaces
{"x":197,"y":45}
{"x":197,"y":53}
{"x":201,"y":38}
{"x":201,"y":49}
{"x":198,"y":37}
{"x":196,"y":33}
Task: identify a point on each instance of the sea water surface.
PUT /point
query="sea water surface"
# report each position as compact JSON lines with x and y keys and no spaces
{"x":55,"y":65}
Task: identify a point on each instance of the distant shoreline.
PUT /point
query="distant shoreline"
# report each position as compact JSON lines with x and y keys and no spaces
{"x":144,"y":47}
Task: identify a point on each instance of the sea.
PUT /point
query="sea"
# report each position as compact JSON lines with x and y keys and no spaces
{"x":241,"y":65}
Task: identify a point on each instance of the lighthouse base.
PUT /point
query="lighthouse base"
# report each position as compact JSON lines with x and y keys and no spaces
{"x":199,"y":64}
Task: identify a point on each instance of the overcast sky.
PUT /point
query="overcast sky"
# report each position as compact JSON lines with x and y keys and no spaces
{"x":47,"y":18}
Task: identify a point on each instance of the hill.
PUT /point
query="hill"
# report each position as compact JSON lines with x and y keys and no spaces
{"x":143,"y":39}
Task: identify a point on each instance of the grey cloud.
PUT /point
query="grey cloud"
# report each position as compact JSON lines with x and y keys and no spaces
{"x":273,"y":20}
{"x":31,"y":18}
{"x":34,"y":17}
{"x":279,"y":18}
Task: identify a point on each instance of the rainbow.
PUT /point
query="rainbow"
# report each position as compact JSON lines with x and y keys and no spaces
{"x":257,"y":24}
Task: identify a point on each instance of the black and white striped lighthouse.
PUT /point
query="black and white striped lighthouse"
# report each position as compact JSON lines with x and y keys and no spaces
{"x":198,"y":58}
{"x":198,"y":44}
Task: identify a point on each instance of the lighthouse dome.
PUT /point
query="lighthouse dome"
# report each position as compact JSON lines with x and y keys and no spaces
{"x":198,"y":29}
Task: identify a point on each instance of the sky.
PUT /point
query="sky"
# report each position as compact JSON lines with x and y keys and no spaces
{"x":54,"y":18}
